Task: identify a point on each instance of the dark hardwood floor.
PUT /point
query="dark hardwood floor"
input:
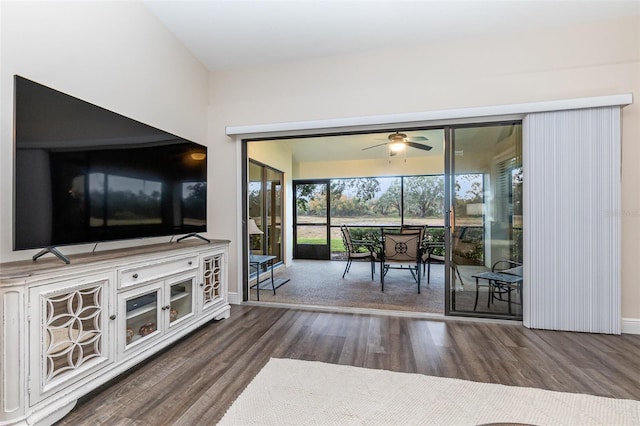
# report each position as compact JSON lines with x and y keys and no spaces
{"x":197,"y":379}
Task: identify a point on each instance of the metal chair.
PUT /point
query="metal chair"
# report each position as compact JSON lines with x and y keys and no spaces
{"x":431,"y":244}
{"x":400,"y":251}
{"x":352,"y":247}
{"x":499,"y":288}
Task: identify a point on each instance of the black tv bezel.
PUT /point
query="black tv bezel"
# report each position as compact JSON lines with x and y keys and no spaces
{"x":184,"y":230}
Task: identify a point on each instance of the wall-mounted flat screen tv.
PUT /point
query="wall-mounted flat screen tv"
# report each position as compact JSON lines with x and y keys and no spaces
{"x":83,"y":174}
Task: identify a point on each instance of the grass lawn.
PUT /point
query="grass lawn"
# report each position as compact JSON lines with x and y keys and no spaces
{"x":336,"y":244}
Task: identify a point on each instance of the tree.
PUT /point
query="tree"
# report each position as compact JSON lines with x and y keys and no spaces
{"x":307,"y":192}
{"x":389,"y":202}
{"x":469,"y":190}
{"x":424,"y":195}
{"x":349,"y":197}
{"x":365,"y":188}
{"x":469,"y":187}
{"x":346,"y":207}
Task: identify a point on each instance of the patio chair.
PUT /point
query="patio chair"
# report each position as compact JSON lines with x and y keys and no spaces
{"x":429,"y":257}
{"x":352,"y":247}
{"x":500,"y":289}
{"x":430,"y":244}
{"x":401,"y":251}
{"x":410,"y":229}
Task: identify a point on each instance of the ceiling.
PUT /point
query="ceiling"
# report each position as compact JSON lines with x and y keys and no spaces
{"x":233,"y":34}
{"x":350,"y":147}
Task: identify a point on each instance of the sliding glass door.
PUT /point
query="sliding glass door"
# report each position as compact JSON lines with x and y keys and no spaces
{"x":484,"y":242}
{"x":265,"y":210}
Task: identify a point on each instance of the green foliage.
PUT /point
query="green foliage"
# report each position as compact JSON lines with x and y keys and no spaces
{"x":436,"y":235}
{"x":360,"y":197}
{"x":424,"y":196}
{"x":517,"y":253}
{"x":307,"y":192}
{"x":365,"y":234}
{"x":471,"y":194}
{"x":389,"y":203}
{"x":352,"y":197}
{"x":255,"y":203}
{"x":468,"y":245}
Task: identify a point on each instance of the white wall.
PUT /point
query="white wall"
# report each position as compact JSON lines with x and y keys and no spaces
{"x":113,"y":54}
{"x":276,"y":155}
{"x":580,"y":61}
{"x":366,"y":168}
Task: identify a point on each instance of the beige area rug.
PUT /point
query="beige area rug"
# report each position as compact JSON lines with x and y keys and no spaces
{"x":293,"y":392}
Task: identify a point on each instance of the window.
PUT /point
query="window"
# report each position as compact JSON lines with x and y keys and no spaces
{"x":265,"y":208}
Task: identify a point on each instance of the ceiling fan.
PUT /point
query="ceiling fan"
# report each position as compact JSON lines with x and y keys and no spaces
{"x":397,"y":142}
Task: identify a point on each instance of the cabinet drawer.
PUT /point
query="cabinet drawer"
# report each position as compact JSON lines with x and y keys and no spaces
{"x":144,"y":273}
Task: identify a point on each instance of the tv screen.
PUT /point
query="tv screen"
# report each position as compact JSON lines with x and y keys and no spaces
{"x":84,"y":174}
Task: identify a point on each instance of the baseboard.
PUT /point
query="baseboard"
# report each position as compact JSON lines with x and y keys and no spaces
{"x":234,"y":299}
{"x":631,"y":325}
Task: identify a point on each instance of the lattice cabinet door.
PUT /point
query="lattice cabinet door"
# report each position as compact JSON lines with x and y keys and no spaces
{"x":213,"y":280}
{"x":70,"y":333}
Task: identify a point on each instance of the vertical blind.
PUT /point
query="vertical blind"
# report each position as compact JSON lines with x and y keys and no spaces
{"x":572,"y":220}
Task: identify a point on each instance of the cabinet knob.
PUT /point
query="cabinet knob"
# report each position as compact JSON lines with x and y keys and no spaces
{"x":112,"y":317}
{"x":135,"y":276}
{"x":168,"y":307}
{"x":190,"y":263}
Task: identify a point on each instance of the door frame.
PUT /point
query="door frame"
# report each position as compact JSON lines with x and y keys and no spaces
{"x":489,"y":113}
{"x":312,"y":251}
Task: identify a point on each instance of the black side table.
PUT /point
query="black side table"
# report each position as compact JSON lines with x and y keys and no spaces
{"x":506,"y":281}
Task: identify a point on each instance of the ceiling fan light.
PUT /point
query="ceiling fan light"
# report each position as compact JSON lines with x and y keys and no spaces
{"x":397,"y":146}
{"x":397,"y":137}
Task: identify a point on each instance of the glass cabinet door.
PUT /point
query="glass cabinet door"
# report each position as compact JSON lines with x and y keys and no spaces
{"x":180,"y":300}
{"x":142,"y":316}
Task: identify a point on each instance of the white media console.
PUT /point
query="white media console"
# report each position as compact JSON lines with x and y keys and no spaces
{"x":67,"y":329}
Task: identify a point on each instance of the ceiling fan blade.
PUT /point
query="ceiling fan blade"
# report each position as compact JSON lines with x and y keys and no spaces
{"x":374,"y":146}
{"x":419,"y":146}
{"x":417,"y":139}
